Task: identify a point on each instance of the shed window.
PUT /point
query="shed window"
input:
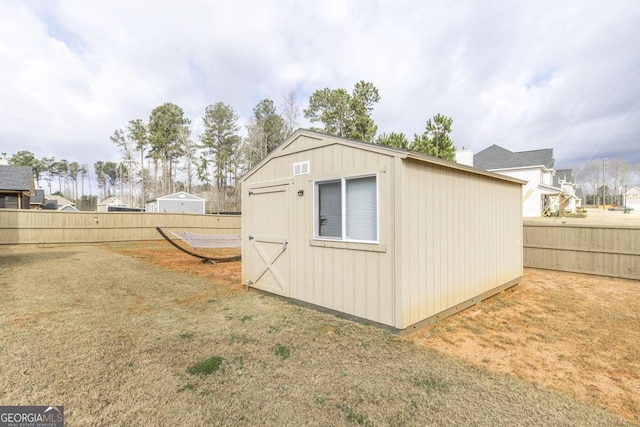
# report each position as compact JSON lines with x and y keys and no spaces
{"x":347,"y":209}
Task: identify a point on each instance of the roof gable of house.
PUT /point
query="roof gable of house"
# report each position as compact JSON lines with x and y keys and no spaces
{"x":37,"y":198}
{"x":562,"y":176}
{"x":16,"y":178}
{"x":542,"y":157}
{"x":496,"y":157}
{"x":633,"y":190}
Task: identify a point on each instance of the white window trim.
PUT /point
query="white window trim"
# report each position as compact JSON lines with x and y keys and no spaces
{"x":343,"y":192}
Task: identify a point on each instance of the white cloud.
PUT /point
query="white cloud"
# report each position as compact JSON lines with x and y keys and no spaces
{"x":523,"y":75}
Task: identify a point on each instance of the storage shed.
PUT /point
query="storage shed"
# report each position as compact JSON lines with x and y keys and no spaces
{"x":179,"y":202}
{"x":386,"y":235}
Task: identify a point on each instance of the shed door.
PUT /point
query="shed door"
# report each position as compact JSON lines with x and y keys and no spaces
{"x":268,"y":233}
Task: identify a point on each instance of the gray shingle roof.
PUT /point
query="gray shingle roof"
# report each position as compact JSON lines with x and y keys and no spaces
{"x":496,"y":157}
{"x":565,"y":175}
{"x":37,"y":198}
{"x":15,"y":178}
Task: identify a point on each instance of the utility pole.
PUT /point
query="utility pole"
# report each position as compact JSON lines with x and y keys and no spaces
{"x":604,"y":193}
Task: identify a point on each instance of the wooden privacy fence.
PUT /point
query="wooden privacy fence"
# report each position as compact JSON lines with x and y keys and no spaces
{"x":606,"y":250}
{"x":41,"y":226}
{"x":593,"y":249}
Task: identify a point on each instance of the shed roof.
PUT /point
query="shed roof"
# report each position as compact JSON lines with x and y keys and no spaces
{"x":496,"y":157}
{"x":111,"y":200}
{"x":180,"y":195}
{"x":403,"y":154}
{"x":15,"y":178}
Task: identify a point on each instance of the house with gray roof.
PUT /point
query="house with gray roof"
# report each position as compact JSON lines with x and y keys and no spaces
{"x":537,"y":167}
{"x":37,"y":199}
{"x":564,"y":180}
{"x":59,"y":203}
{"x":16,"y":186}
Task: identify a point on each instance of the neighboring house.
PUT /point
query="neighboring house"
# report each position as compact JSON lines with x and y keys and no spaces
{"x":564,"y":180}
{"x":539,"y":196}
{"x":37,"y":199}
{"x":16,"y":186}
{"x":179,"y":202}
{"x":109,"y":202}
{"x":55,"y":202}
{"x":632,"y":198}
{"x":394,"y":237}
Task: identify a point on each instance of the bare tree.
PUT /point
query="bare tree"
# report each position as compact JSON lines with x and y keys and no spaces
{"x":290,"y":112}
{"x":619,"y":171}
{"x":589,"y":177}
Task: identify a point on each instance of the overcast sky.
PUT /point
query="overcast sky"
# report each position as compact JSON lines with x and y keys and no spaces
{"x":524,"y":75}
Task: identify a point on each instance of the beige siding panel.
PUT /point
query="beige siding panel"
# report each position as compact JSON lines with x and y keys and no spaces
{"x":464,"y":232}
{"x":303,"y":143}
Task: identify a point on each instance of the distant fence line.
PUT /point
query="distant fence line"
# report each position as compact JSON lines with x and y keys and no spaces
{"x":40,"y":226}
{"x":591,"y":249}
{"x":605,"y":250}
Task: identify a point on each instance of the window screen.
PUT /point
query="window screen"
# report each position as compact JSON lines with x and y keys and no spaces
{"x":330,"y":209}
{"x":362,"y":209}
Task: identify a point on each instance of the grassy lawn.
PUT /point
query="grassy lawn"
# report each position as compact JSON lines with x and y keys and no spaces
{"x":143,"y":335}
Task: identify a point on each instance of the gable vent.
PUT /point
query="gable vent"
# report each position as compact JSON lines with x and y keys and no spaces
{"x":301,"y":168}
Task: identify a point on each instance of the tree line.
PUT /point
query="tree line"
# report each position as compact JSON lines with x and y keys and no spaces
{"x":155,"y":153}
{"x":603,"y":181}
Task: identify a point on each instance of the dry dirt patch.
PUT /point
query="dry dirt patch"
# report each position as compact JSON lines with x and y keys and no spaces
{"x":570,"y":332}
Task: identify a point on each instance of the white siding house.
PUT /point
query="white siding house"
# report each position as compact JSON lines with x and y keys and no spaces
{"x":179,"y":202}
{"x":632,"y":199}
{"x":564,"y":180}
{"x":537,"y":168}
{"x":393,"y":237}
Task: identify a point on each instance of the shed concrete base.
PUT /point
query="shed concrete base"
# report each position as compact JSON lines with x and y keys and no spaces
{"x":409,"y":329}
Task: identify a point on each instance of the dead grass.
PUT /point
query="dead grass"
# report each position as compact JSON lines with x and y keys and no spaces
{"x":111,"y":335}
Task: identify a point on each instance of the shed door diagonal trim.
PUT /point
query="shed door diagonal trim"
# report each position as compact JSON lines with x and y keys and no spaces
{"x":268,"y":262}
